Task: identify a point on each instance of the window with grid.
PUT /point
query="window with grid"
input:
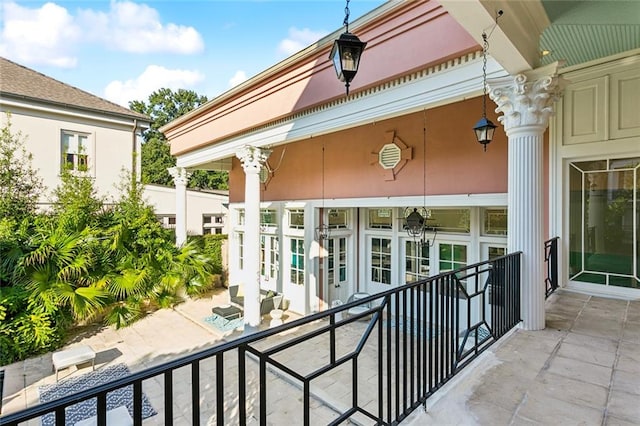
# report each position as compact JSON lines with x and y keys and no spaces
{"x":269,"y":256}
{"x":297,"y":261}
{"x":75,"y":151}
{"x":241,"y":250}
{"x":416,"y":261}
{"x":381,"y":260}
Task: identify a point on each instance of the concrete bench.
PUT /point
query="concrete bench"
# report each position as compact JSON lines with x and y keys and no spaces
{"x":119,"y":416}
{"x":73,"y":356}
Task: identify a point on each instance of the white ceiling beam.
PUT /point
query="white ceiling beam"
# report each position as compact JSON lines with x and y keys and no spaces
{"x":514,"y":42}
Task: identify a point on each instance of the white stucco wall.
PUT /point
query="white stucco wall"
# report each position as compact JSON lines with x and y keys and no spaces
{"x":199,"y":203}
{"x":110,"y":144}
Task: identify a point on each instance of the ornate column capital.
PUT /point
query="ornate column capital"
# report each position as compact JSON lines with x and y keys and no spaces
{"x":180,"y":175}
{"x":252,"y":158}
{"x":527,"y":99}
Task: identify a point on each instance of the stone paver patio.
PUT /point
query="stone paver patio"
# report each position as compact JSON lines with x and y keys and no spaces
{"x":584,"y":368}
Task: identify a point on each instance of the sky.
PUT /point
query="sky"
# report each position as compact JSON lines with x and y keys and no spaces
{"x":123,"y":50}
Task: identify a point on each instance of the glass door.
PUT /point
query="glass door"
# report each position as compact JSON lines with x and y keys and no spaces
{"x":269,"y":262}
{"x":336,"y":271}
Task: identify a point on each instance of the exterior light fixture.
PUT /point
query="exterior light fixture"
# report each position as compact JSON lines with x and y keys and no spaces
{"x":346,"y":53}
{"x":485,"y":128}
{"x":415,"y":222}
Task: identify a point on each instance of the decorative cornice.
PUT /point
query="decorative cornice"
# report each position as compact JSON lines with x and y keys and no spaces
{"x":451,"y":81}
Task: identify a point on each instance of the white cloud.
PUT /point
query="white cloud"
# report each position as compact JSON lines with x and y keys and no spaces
{"x":137,"y":28}
{"x":298,"y":40}
{"x":153,"y":78}
{"x":44,"y":35}
{"x":239,"y":77}
{"x":50,"y":34}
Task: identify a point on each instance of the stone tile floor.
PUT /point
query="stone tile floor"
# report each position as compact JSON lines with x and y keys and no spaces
{"x":583,"y":369}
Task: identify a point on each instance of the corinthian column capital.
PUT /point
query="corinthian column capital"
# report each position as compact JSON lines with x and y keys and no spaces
{"x":180,"y":175}
{"x":527,"y":99}
{"x":252,"y":158}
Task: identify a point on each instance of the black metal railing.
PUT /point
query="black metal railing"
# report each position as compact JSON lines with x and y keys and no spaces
{"x":376,"y":366}
{"x":551,"y":263}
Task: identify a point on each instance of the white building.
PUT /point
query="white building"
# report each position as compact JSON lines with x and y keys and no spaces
{"x":65,"y":126}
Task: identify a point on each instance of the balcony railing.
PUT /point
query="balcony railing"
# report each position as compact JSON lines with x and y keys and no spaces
{"x":551,"y":263}
{"x":376,"y":366}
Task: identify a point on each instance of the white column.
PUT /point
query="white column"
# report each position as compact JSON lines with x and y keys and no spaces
{"x":180,"y":178}
{"x":527,"y":102}
{"x":252,"y":160}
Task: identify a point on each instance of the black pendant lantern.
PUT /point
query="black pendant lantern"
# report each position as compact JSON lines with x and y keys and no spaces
{"x":485,"y":128}
{"x":346,"y":53}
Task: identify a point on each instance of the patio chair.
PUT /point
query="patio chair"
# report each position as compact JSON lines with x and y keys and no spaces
{"x":359,"y":308}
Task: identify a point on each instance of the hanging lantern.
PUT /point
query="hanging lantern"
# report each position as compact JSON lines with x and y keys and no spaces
{"x":346,"y":53}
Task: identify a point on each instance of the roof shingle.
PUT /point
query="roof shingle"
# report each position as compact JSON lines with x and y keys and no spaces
{"x":20,"y":81}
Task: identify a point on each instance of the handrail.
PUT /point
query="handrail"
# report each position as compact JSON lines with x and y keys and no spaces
{"x":409,"y":342}
{"x":551,"y":262}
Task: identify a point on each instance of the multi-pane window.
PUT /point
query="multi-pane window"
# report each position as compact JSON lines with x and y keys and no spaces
{"x":296,"y":218}
{"x":240,"y":250}
{"x":269,"y":257}
{"x":240,"y":217}
{"x":416,"y":261}
{"x":452,"y":256}
{"x":381,"y":260}
{"x":212,"y":224}
{"x":337,"y":261}
{"x":167,"y":220}
{"x":381,"y":218}
{"x":604,"y":222}
{"x":75,"y":150}
{"x":297,"y":261}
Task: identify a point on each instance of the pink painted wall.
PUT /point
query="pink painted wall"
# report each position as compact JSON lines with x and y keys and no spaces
{"x":415,"y":35}
{"x":456,"y":163}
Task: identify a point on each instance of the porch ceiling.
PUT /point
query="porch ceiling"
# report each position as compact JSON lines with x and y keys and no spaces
{"x":573,"y":32}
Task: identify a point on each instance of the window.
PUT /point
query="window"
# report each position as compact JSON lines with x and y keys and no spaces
{"x":337,"y":261}
{"x":380,"y":219}
{"x":338,"y":218}
{"x":297,"y":261}
{"x":495,"y":222}
{"x":604,"y":225}
{"x":240,"y":217}
{"x":167,"y":220}
{"x":450,"y":220}
{"x":75,"y":150}
{"x":269,"y":257}
{"x":296,"y":219}
{"x":416,"y":261}
{"x":241,"y":250}
{"x":212,"y":224}
{"x":452,"y":256}
{"x":381,"y":260}
{"x":268,"y":217}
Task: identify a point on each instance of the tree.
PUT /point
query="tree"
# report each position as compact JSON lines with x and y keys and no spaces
{"x":163,"y":107}
{"x":20,"y":186}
